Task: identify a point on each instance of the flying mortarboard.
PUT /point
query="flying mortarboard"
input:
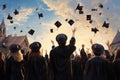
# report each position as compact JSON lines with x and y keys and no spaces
{"x":9,"y":17}
{"x":4,"y":7}
{"x":66,"y":19}
{"x":71,"y":22}
{"x":88,"y":17}
{"x":14,"y":27}
{"x":16,"y":12}
{"x":81,"y":12}
{"x":79,"y":7}
{"x":11,"y":22}
{"x":21,"y":30}
{"x":100,"y":13}
{"x":100,"y":5}
{"x":40,"y":15}
{"x":95,"y":30}
{"x":51,"y":30}
{"x":31,"y":31}
{"x":57,"y":24}
{"x":90,"y":21}
{"x":106,"y":25}
{"x":93,"y":9}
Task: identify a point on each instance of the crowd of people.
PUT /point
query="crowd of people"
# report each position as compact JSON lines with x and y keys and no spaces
{"x":61,"y":64}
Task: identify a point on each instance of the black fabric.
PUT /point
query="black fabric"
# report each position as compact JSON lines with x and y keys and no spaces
{"x":14,"y":69}
{"x":60,"y":63}
{"x":36,"y":69}
{"x":98,"y":68}
{"x":117,"y":69}
{"x":2,"y":71}
{"x":77,"y":70}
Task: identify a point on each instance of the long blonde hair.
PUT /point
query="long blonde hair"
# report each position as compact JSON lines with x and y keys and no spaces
{"x":2,"y":56}
{"x":18,"y":56}
{"x":34,"y":55}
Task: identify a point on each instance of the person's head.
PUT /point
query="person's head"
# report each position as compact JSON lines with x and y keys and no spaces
{"x":107,"y":53}
{"x":61,"y":39}
{"x":35,"y":46}
{"x":97,"y":49}
{"x":15,"y":52}
{"x":117,"y":54}
{"x":14,"y":48}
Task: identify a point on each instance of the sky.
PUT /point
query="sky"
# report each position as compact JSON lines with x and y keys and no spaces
{"x":60,"y":10}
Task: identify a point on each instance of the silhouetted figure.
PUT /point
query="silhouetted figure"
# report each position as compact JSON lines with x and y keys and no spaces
{"x":14,"y":63}
{"x":60,"y":62}
{"x":2,"y":70}
{"x":36,"y":64}
{"x":117,"y":65}
{"x":84,"y":58}
{"x":98,"y":68}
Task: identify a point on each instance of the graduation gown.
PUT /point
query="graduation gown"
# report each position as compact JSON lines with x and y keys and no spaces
{"x":2,"y":71}
{"x":117,"y":69}
{"x":36,"y":69}
{"x":77,"y":70}
{"x":60,"y":62}
{"x":98,"y":68}
{"x":14,"y":69}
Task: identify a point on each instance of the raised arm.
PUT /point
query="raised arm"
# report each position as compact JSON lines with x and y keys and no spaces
{"x":72,"y":41}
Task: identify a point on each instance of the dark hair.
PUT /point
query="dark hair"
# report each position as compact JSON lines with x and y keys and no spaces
{"x":35,"y":46}
{"x":61,"y":39}
{"x":14,"y":48}
{"x":98,"y":49}
{"x":107,"y":53}
{"x":117,"y":54}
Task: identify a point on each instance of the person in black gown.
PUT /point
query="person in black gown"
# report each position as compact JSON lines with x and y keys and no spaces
{"x":60,"y":63}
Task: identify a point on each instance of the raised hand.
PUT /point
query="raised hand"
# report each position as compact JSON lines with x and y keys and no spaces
{"x":83,"y":45}
{"x":91,"y":41}
{"x":52,"y":41}
{"x":74,"y":30}
{"x":108,"y":43}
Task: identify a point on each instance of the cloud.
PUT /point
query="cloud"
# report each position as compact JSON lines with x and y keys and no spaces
{"x":23,"y":16}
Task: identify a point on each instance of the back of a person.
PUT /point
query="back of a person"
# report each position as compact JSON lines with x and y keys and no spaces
{"x":36,"y":65}
{"x":117,"y":69}
{"x":36,"y":69}
{"x":96,"y":69}
{"x":14,"y":69}
{"x":62,"y":64}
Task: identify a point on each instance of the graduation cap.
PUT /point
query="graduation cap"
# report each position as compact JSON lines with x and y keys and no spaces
{"x":93,"y":9}
{"x":88,"y":17}
{"x":31,"y":31}
{"x":51,"y":30}
{"x":79,"y":7}
{"x":9,"y":17}
{"x":71,"y":22}
{"x":57,"y":24}
{"x":100,"y":13}
{"x":4,"y":6}
{"x":90,"y":21}
{"x":40,"y":15}
{"x":81,"y":12}
{"x":11,"y":22}
{"x":66,"y":19}
{"x":95,"y":30}
{"x":14,"y":27}
{"x":21,"y":30}
{"x":106,"y":25}
{"x":16,"y":12}
{"x":100,"y":5}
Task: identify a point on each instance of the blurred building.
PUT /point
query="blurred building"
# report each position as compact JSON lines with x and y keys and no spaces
{"x":6,"y":41}
{"x":116,"y":41}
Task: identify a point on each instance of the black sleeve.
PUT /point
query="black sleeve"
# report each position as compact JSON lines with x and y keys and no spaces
{"x":72,"y":41}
